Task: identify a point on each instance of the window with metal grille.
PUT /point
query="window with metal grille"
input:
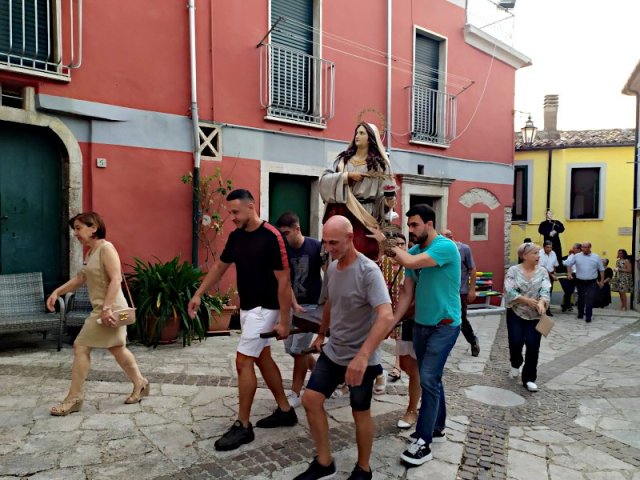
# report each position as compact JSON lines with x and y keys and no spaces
{"x":520,"y":193}
{"x":11,"y":96}
{"x":585,"y":192}
{"x":27,"y":34}
{"x":433,"y":110}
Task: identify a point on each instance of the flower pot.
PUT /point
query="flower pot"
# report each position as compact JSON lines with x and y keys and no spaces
{"x":220,"y":321}
{"x":169,"y":333}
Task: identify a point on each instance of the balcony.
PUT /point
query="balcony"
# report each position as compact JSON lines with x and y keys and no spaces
{"x":32,"y":33}
{"x":296,"y":87}
{"x":433,"y":116}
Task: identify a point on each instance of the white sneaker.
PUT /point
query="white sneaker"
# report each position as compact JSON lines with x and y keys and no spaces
{"x":294,"y":399}
{"x":514,"y":373}
{"x":532,"y":387}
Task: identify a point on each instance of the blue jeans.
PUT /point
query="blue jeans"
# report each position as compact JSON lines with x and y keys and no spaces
{"x":523,"y":333}
{"x":432,"y":346}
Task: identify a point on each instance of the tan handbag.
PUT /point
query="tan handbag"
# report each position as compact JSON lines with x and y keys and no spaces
{"x":124,"y":316}
{"x":545,"y":324}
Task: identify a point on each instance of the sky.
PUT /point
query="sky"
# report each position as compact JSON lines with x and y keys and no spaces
{"x":582,"y":50}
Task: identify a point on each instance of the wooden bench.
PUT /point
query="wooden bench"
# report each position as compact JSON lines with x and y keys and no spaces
{"x":23,"y":309}
{"x":77,"y":307}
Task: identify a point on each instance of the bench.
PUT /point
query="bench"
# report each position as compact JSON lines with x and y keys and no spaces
{"x":77,"y":307}
{"x":22,"y":306}
{"x":484,"y":290}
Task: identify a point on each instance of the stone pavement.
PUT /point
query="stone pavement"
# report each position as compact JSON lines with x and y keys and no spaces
{"x":584,"y":423}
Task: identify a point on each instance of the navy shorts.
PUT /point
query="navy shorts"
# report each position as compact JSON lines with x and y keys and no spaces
{"x":327,"y":375}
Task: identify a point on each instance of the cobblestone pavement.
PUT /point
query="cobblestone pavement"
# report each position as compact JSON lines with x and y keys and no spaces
{"x":584,"y":423}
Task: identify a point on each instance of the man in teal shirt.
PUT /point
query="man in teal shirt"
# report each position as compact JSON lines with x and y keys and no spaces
{"x":433,"y":278}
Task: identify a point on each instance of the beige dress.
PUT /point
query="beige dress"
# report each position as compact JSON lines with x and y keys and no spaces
{"x":94,"y":334}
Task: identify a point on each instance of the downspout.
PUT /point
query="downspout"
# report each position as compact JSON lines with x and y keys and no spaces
{"x":549,"y":156}
{"x":196,"y":132}
{"x":388,"y":126}
{"x":634,"y":252}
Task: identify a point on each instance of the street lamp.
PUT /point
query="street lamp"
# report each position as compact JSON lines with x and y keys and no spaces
{"x":529,"y":132}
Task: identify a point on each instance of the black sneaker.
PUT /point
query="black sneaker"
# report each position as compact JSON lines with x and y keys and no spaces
{"x":580,"y":317}
{"x":360,"y":474}
{"x":588,"y":320}
{"x":417,"y":453}
{"x":279,"y":419}
{"x":236,"y":436}
{"x":317,"y":471}
{"x":475,"y":349}
{"x":438,"y":437}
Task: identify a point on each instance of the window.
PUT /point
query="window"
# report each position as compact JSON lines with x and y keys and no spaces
{"x":433,"y":110}
{"x":479,"y":226}
{"x":210,"y":141}
{"x":299,"y":84}
{"x":520,"y":194}
{"x":27,"y":35}
{"x":585,"y":192}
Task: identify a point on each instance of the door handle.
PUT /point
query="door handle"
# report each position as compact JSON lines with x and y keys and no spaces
{"x":4,"y":217}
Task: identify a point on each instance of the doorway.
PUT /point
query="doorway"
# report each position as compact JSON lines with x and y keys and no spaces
{"x":33,"y":236}
{"x":291,"y":193}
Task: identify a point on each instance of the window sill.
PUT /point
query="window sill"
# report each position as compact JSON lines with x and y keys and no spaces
{"x":35,"y":73}
{"x":299,"y":123}
{"x":584,"y":219}
{"x":520,"y":222}
{"x":429,"y":144}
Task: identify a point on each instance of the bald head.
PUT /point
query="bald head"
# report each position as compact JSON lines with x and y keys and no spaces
{"x":448,"y":233}
{"x":337,"y":237}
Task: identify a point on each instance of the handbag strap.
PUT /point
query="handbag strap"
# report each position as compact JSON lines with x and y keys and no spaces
{"x":126,"y":284}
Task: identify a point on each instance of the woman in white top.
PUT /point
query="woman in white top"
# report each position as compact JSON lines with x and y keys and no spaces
{"x":527,"y":294}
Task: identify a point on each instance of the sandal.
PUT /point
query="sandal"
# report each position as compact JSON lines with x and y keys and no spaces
{"x":136,"y":397}
{"x":394,"y":375}
{"x":380,"y":387}
{"x":66,"y":407}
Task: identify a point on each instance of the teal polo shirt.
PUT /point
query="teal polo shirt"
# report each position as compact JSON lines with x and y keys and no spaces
{"x":437,"y":288}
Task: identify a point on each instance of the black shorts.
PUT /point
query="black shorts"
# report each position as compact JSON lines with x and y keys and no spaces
{"x":327,"y":375}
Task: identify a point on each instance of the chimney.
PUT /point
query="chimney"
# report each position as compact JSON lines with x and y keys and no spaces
{"x":551,"y":116}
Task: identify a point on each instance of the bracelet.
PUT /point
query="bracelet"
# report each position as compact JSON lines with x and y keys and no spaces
{"x":106,"y":309}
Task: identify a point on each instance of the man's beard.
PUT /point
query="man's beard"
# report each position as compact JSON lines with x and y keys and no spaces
{"x":418,"y":240}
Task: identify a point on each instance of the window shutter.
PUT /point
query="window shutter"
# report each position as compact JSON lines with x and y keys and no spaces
{"x":37,"y":32}
{"x":427,"y":62}
{"x":425,"y":97}
{"x":296,"y":31}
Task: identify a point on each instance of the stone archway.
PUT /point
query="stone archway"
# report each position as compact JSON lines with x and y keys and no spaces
{"x":479,"y":195}
{"x":74,"y":171}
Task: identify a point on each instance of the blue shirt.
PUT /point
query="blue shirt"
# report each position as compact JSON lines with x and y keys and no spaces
{"x":437,"y":291}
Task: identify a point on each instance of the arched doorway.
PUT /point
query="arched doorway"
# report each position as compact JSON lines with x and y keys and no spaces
{"x":33,"y":203}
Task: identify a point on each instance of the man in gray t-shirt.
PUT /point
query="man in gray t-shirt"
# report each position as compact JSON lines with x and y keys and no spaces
{"x":358,"y":309}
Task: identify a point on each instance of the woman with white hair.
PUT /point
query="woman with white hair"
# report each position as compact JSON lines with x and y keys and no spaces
{"x":527,"y":295}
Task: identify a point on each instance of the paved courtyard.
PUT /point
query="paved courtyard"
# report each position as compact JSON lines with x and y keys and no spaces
{"x":584,"y":423}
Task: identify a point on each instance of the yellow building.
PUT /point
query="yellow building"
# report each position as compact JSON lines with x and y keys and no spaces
{"x":586,"y":178}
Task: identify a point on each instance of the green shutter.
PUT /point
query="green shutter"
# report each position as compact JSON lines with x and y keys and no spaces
{"x":37,"y":32}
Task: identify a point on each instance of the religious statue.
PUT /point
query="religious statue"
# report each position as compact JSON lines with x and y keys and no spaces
{"x":361,"y":187}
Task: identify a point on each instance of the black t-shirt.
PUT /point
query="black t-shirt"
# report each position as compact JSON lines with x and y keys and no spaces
{"x":256,"y":255}
{"x":305,"y":271}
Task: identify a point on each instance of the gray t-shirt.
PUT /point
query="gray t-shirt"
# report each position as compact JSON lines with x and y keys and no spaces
{"x":354,"y":294}
{"x":466,"y":265}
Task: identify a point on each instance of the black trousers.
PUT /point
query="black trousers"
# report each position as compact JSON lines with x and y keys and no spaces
{"x":568,"y":286}
{"x":587,"y":290}
{"x":523,"y":333}
{"x":465,"y":327}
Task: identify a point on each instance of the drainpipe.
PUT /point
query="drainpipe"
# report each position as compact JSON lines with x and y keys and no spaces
{"x":196,"y":132}
{"x":549,"y":156}
{"x":634,"y":252}
{"x":388,"y":127}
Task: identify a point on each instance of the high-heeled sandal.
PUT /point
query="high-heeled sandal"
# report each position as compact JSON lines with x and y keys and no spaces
{"x":136,"y":397}
{"x":66,"y":407}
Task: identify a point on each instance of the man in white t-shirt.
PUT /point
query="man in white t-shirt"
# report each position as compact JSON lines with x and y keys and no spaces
{"x":549,"y":261}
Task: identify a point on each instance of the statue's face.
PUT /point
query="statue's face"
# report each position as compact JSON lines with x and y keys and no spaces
{"x":549,"y":214}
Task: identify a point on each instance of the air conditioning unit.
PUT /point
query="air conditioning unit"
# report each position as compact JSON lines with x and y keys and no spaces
{"x":507,"y":4}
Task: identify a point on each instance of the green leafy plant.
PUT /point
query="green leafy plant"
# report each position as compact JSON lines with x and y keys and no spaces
{"x":211,"y":192}
{"x":162,"y":291}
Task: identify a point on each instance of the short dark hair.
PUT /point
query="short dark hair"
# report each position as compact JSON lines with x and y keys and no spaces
{"x":527,"y":240}
{"x":240,"y":194}
{"x":547,"y":242}
{"x":425,"y":212}
{"x":400,"y":235}
{"x":288,"y":220}
{"x":91,"y":219}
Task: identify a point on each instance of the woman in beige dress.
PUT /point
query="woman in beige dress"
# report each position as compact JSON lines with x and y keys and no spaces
{"x":103,"y":275}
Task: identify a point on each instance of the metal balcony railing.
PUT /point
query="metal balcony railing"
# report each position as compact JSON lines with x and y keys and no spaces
{"x":32,"y":34}
{"x":493,"y":18}
{"x":433,"y":115}
{"x":295,"y":86}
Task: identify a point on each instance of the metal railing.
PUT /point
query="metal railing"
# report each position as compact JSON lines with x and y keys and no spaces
{"x":296,"y":86}
{"x":32,"y":33}
{"x":490,"y":17}
{"x":433,"y":115}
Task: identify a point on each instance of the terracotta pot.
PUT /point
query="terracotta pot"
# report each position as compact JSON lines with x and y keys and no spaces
{"x":169,"y":333}
{"x":220,"y":321}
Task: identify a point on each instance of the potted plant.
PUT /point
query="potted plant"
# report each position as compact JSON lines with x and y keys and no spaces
{"x":220,"y":320}
{"x":162,"y":291}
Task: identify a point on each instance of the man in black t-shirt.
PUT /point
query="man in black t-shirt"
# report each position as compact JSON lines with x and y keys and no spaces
{"x":258,"y":250}
{"x":305,"y":259}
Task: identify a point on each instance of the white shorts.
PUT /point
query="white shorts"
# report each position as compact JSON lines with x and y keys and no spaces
{"x":405,"y":347}
{"x":254,"y":322}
